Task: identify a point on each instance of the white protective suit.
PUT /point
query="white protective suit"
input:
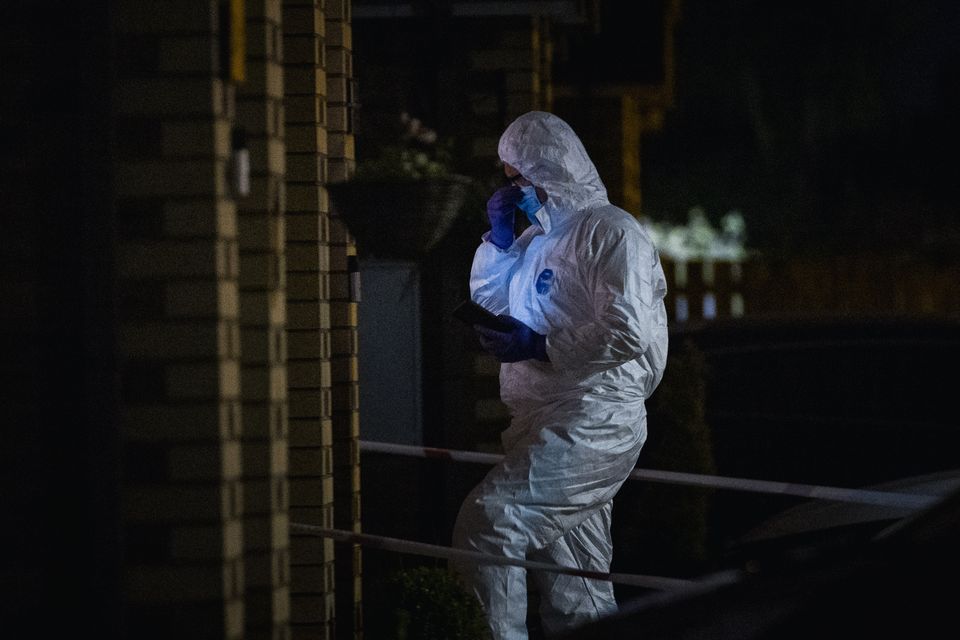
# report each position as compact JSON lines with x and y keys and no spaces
{"x":589,"y":278}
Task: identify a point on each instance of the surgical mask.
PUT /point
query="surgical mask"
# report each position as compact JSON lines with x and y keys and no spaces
{"x":530,"y":203}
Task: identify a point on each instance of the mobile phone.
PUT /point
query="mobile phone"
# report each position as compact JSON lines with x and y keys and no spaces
{"x":472,"y":313}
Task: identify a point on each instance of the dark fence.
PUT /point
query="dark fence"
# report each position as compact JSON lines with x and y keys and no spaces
{"x":833,"y":286}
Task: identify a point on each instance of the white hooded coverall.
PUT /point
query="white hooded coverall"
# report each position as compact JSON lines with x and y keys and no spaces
{"x":589,"y":278}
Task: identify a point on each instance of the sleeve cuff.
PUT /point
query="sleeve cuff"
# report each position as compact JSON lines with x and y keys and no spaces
{"x":486,"y":238}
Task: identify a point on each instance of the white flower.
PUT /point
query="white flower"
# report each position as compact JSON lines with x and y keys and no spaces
{"x":733,"y":224}
{"x":698,"y":239}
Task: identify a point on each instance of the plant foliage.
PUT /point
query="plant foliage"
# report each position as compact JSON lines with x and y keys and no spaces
{"x":425,"y":603}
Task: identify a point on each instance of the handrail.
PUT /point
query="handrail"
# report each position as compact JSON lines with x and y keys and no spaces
{"x":810,"y":491}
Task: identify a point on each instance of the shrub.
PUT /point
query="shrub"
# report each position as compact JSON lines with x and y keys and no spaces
{"x":423,"y":603}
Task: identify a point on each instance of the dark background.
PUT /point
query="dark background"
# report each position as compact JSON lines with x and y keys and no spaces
{"x":831,"y":125}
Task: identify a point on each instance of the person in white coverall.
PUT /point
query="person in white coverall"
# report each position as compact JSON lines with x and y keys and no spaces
{"x":583,"y":288}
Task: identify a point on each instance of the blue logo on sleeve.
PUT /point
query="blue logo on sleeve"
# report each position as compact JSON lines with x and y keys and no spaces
{"x":544,"y":281}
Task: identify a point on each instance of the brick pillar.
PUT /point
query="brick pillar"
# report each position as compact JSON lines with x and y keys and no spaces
{"x":631,"y":130}
{"x":544,"y":49}
{"x":343,"y":312}
{"x":519,"y":58}
{"x":308,"y":319}
{"x":179,"y":337}
{"x":262,"y":329}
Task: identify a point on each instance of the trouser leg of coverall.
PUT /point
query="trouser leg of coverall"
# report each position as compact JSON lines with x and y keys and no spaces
{"x":550,"y":481}
{"x":501,"y":589}
{"x":570,"y":601}
{"x":489,"y":524}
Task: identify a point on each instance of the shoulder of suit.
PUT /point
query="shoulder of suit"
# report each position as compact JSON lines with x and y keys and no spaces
{"x":611,"y":218}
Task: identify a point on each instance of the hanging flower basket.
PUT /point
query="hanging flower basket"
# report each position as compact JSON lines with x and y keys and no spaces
{"x":396,"y":218}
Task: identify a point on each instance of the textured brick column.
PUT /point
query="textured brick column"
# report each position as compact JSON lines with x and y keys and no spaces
{"x":631,"y":135}
{"x":308,"y":313}
{"x":544,"y":47}
{"x":519,"y":59}
{"x":343,"y":311}
{"x":179,"y":337}
{"x":262,"y":326}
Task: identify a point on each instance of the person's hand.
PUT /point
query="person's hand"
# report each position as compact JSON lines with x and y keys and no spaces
{"x":500,"y":211}
{"x":521,"y":343}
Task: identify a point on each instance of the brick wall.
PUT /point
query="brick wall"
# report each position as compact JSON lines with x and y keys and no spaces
{"x":260,"y":226}
{"x":232,"y":306}
{"x":179,"y":326}
{"x":309,"y":319}
{"x":510,"y":73}
{"x":343,"y":312}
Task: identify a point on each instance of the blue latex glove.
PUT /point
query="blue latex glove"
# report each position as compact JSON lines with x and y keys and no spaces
{"x":522,"y":343}
{"x":500,"y":211}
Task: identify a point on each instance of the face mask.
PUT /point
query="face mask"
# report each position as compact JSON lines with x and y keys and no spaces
{"x":530,"y":203}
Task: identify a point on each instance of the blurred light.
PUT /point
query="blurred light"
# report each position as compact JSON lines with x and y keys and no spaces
{"x":709,"y":306}
{"x":682,"y":311}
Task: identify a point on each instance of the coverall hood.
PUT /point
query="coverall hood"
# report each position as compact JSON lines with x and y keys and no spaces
{"x":547,"y":152}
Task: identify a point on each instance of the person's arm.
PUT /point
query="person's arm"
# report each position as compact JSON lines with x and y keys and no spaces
{"x":626,"y":313}
{"x":490,"y":275}
{"x":497,"y":253}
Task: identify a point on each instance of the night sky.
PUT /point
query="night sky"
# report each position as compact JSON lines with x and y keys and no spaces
{"x":831,"y":125}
